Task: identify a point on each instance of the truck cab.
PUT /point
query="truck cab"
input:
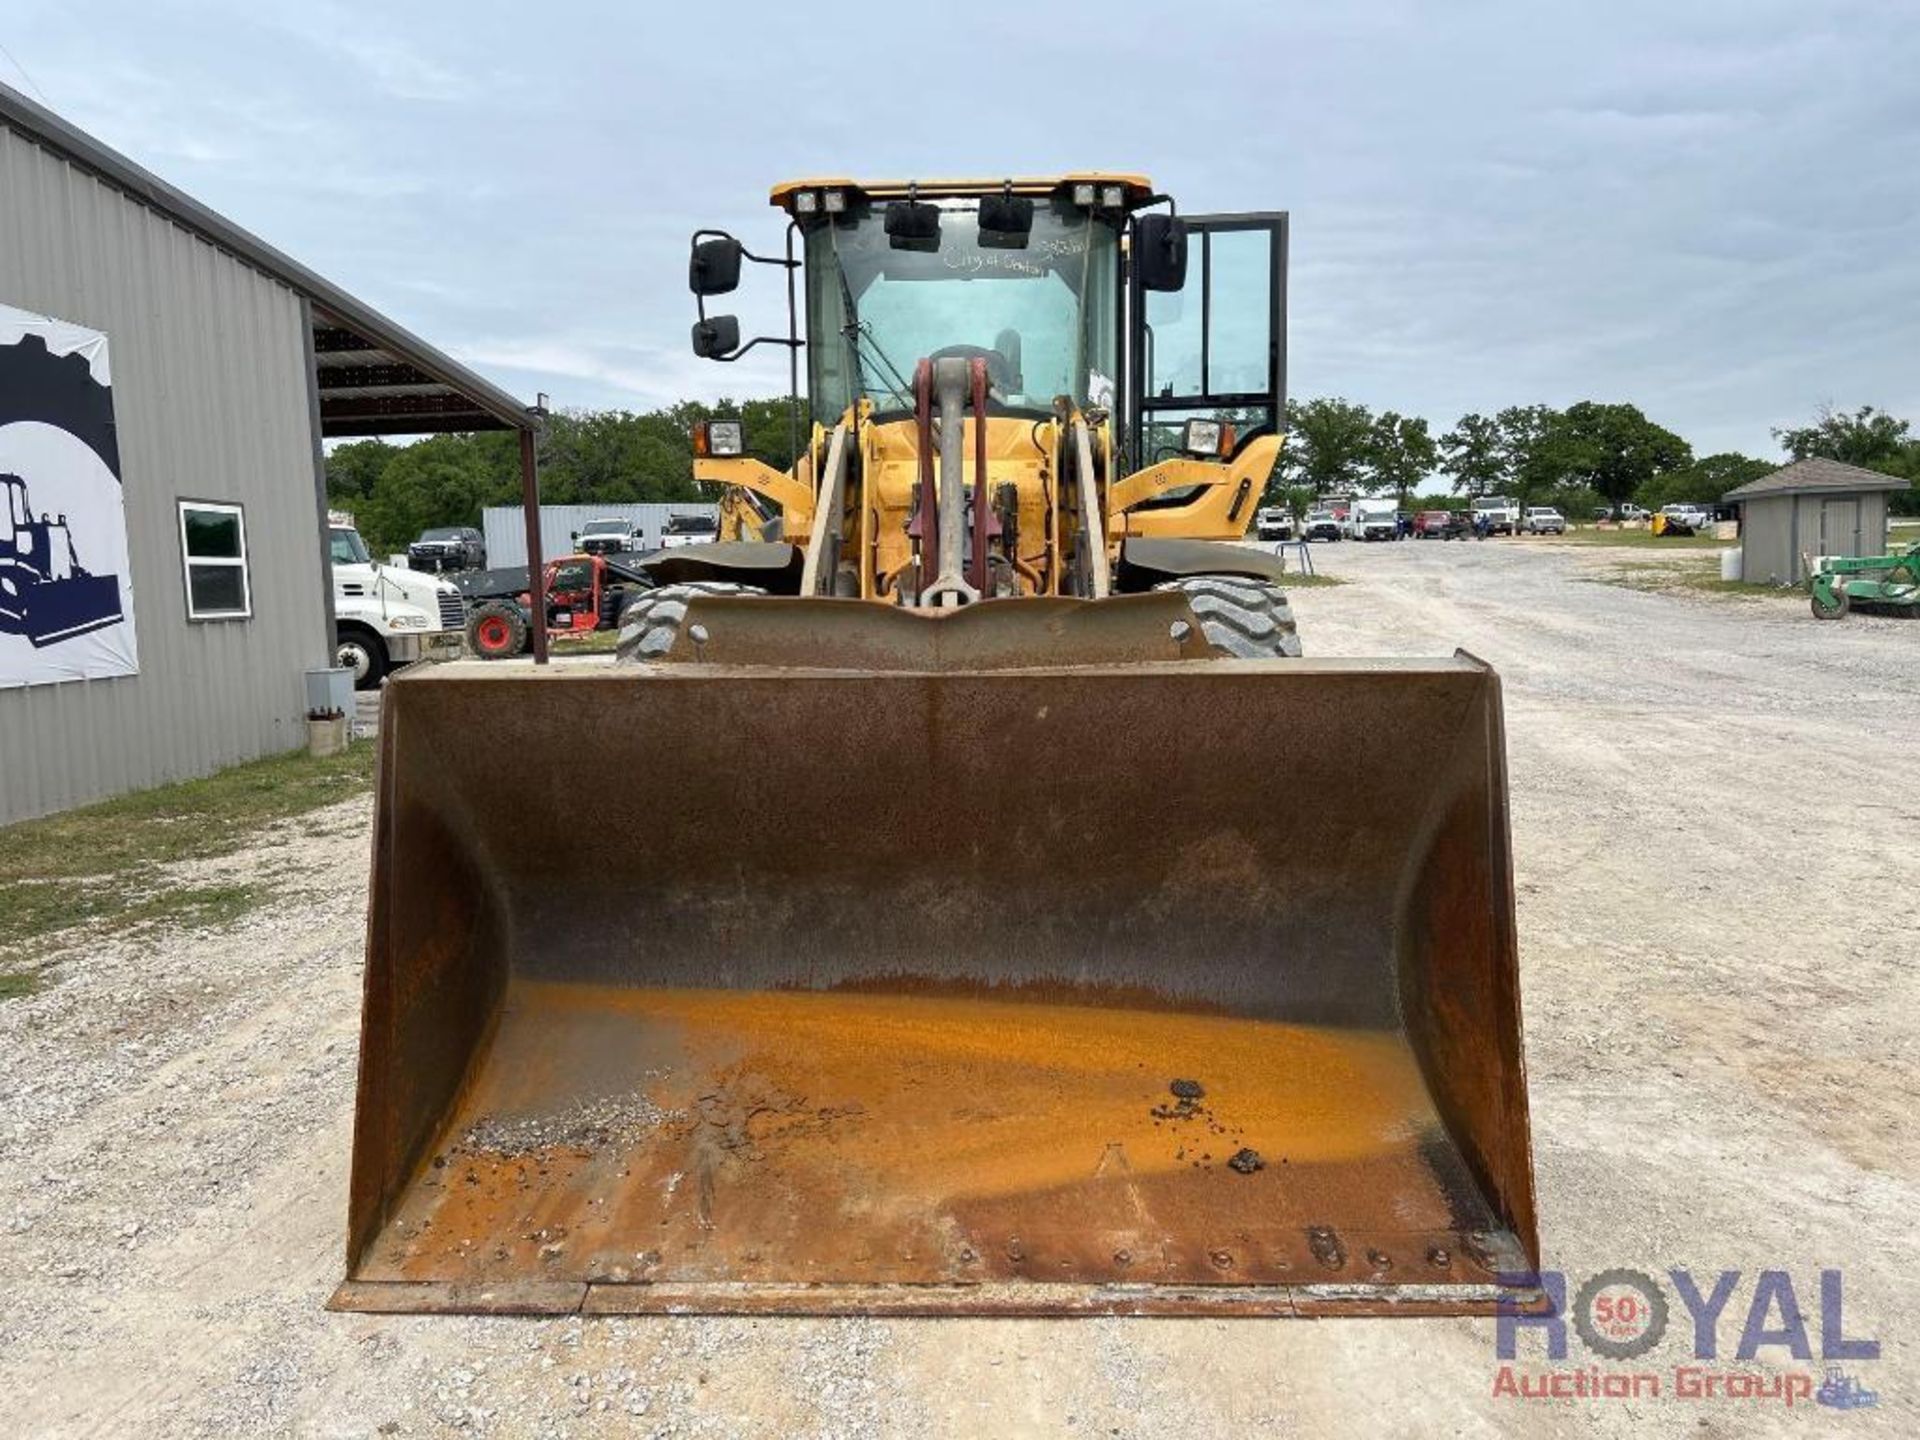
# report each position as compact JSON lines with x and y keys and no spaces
{"x":385,"y":616}
{"x":609,"y":536}
{"x":682,"y":530}
{"x":1496,"y":514}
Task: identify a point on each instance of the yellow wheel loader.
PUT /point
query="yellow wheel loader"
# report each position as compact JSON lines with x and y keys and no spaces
{"x":961,"y":897}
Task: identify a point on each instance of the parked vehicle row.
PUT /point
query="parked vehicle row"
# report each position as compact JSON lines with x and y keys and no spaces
{"x":1365,"y":519}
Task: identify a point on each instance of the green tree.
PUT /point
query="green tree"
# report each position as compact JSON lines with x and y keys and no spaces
{"x":1328,"y":444}
{"x":1531,"y":449}
{"x":1474,"y":454}
{"x":1869,"y":437}
{"x":1701,"y":483}
{"x":1400,"y":454}
{"x":438,"y":481}
{"x":1613,"y":449}
{"x":353,"y":468}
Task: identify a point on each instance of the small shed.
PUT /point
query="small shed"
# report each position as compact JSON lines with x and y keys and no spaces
{"x":1811,"y":507}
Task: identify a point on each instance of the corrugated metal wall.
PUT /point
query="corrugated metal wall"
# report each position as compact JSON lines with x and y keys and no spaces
{"x":210,"y":401}
{"x":505,"y":526}
{"x":1766,"y":554}
{"x":1776,"y":530}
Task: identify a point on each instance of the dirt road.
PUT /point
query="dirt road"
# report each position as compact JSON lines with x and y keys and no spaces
{"x":1715,"y":812}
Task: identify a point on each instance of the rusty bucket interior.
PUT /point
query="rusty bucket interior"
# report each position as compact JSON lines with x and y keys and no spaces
{"x":1176,"y":987}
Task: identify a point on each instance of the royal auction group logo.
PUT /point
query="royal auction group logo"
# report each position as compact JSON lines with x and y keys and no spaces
{"x":1621,"y":1316}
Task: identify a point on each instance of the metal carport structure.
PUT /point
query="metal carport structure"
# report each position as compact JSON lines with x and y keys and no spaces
{"x":370,"y":376}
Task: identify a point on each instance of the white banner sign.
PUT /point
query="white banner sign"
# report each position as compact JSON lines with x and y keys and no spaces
{"x":66,"y":589}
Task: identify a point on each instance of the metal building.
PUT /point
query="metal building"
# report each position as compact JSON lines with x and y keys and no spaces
{"x":165,"y":382}
{"x":1810,"y":508}
{"x":505,"y":526}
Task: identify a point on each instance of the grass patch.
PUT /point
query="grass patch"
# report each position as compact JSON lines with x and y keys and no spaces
{"x":597,"y":642}
{"x":104,"y":867}
{"x":191,"y":820}
{"x":1688,"y":578}
{"x":1294,"y":580}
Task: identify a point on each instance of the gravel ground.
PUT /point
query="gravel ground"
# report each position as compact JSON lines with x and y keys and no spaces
{"x":1714,"y":813}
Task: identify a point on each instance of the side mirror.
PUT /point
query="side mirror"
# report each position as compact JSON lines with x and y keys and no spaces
{"x":1005,"y":222}
{"x":913,"y":226}
{"x":1160,"y":251}
{"x":716,"y":337}
{"x":715,"y":266}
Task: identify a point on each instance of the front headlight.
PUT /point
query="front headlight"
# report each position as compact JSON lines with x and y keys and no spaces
{"x":409,"y":622}
{"x":724,"y":438}
{"x":1202,"y":437}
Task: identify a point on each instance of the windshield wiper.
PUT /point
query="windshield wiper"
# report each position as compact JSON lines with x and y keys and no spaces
{"x":855,"y":328}
{"x":902,"y":387}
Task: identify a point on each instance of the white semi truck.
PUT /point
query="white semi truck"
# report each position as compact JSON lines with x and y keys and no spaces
{"x":386,"y":616}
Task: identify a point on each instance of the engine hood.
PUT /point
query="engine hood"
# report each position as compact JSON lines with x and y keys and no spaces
{"x":395,"y":585}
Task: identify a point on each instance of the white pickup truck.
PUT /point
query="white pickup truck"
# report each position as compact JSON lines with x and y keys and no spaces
{"x":384,"y":615}
{"x":1273,"y":522}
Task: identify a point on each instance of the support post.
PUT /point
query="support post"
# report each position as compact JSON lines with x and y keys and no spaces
{"x":536,"y":564}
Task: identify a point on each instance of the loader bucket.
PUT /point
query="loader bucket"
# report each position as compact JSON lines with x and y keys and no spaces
{"x":1169,"y":987}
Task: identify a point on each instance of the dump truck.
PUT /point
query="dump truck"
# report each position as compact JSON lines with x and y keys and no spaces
{"x":957,"y":953}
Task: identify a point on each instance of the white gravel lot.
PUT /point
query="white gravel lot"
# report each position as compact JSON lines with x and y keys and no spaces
{"x":1716,"y":804}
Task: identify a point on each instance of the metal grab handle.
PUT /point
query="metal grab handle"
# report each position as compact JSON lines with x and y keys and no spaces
{"x":1100,"y":583}
{"x":827,"y":514}
{"x":982,"y":511}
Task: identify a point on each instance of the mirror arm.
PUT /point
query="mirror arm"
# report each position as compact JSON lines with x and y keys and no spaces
{"x":792,"y":265}
{"x":794,"y":345}
{"x":788,"y":262}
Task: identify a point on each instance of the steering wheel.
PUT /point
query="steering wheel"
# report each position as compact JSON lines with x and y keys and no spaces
{"x":1000,"y":370}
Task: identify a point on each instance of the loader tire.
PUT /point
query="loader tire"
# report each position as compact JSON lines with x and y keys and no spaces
{"x":1242,"y":618}
{"x":649,"y":623}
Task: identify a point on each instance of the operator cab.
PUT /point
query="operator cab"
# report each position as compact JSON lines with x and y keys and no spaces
{"x":1074,"y":287}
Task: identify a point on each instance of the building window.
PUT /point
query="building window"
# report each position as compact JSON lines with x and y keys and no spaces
{"x":213,"y":551}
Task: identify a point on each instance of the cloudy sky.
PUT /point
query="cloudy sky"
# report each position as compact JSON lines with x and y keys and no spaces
{"x":1710,"y":208}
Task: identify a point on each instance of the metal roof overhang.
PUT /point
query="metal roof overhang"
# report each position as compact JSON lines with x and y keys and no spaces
{"x":375,"y":377}
{"x":373,"y":385}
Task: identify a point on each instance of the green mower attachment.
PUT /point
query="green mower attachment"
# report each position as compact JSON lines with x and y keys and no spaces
{"x":1844,"y":581}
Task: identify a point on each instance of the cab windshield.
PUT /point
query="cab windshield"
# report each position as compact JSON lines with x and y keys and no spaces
{"x":348,"y":548}
{"x":1041,"y":310}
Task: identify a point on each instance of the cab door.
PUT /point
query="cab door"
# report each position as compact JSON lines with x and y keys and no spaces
{"x":1216,"y":346}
